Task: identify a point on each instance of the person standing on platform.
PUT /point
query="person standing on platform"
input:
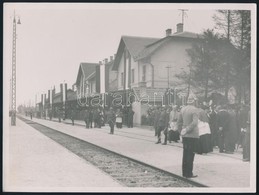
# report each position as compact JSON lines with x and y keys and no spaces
{"x":242,"y":123}
{"x":95,"y":117}
{"x":246,"y":148}
{"x":59,"y":115}
{"x":204,"y":146}
{"x":130,"y":118}
{"x":165,"y":131}
{"x":173,"y":133}
{"x":119,"y":115}
{"x":111,"y":117}
{"x":213,"y":126}
{"x":232,"y":138}
{"x":188,"y":127}
{"x":87,"y":118}
{"x":50,"y":115}
{"x":161,"y":124}
{"x":156,"y":118}
{"x":90,"y":118}
{"x":72,"y":116}
{"x":223,"y":125}
{"x":31,"y":115}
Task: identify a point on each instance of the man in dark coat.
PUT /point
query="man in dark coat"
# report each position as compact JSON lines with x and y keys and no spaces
{"x":188,"y":126}
{"x":111,"y":119}
{"x":223,"y":122}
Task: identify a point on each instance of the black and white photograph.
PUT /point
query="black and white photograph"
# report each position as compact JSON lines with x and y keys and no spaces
{"x":129,"y":97}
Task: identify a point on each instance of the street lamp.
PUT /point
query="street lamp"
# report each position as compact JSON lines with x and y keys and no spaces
{"x":13,"y":103}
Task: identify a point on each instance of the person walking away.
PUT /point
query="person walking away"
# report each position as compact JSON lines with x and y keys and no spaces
{"x":111,"y":117}
{"x":130,"y":118}
{"x":119,"y":119}
{"x":173,"y":134}
{"x":188,"y":127}
{"x":223,"y":123}
{"x":161,"y":124}
{"x":246,"y":148}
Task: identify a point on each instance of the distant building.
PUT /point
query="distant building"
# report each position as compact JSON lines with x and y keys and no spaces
{"x":147,"y":67}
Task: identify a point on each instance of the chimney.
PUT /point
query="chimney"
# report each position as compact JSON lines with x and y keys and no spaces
{"x":111,"y":58}
{"x":168,"y":32}
{"x":179,"y":27}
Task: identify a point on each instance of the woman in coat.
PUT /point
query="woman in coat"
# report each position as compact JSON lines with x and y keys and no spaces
{"x":173,"y":132}
{"x":205,"y":136}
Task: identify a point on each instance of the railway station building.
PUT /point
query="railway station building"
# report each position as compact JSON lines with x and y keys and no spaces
{"x":147,"y":67}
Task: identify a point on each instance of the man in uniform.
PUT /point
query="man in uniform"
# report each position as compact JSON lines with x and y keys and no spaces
{"x":188,"y":127}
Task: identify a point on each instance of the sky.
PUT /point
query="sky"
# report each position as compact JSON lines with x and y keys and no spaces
{"x":53,"y":39}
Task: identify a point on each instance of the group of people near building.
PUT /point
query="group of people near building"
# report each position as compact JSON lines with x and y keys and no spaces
{"x":203,"y":127}
{"x":97,"y":117}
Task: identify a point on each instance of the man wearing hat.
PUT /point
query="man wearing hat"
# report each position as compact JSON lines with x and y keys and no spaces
{"x":188,"y":127}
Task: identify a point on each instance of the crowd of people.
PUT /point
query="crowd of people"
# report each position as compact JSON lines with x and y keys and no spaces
{"x":97,"y":117}
{"x":222,"y":127}
{"x":202,"y":127}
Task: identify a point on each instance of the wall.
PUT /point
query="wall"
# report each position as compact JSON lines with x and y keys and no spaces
{"x":134,"y":65}
{"x":173,"y":54}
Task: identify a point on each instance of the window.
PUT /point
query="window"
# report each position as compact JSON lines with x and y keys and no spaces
{"x":122,"y":79}
{"x":144,"y":73}
{"x":132,"y":76}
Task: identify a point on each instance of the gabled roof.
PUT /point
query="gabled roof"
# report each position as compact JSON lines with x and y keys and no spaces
{"x":134,"y":45}
{"x":86,"y":69}
{"x":150,"y":49}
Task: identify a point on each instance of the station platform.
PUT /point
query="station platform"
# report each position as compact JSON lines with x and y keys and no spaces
{"x":216,"y":170}
{"x":35,"y":163}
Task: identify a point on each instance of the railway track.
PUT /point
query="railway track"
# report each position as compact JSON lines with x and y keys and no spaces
{"x":127,"y":171}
